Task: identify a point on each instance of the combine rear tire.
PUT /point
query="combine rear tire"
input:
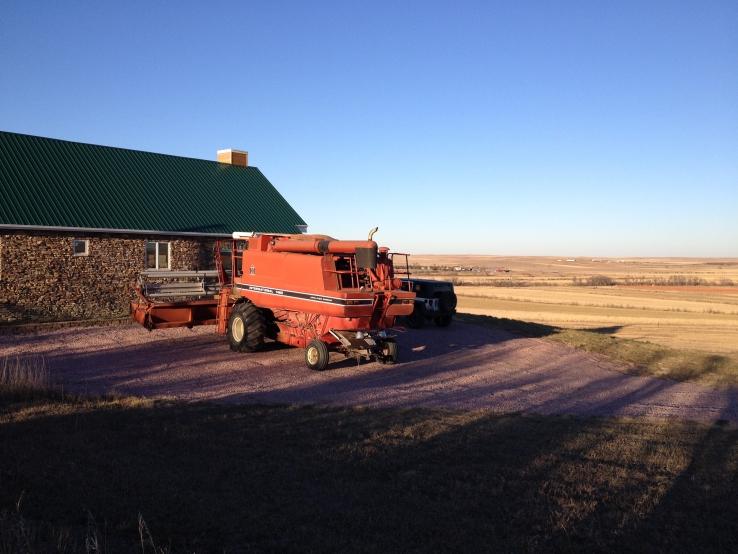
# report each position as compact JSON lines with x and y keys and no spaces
{"x":316,"y":355}
{"x":246,"y":328}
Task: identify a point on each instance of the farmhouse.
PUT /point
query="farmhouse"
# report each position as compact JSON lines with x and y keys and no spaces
{"x":78,"y":221}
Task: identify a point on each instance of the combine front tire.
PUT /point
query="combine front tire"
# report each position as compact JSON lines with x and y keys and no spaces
{"x":246,"y":328}
{"x":316,"y":355}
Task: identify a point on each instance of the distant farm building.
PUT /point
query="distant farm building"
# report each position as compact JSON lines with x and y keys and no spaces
{"x":78,"y":221}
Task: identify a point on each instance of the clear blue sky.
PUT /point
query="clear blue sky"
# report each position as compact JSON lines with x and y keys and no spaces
{"x":555,"y":128}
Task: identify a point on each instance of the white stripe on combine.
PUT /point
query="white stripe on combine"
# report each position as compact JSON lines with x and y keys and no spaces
{"x":306,"y":296}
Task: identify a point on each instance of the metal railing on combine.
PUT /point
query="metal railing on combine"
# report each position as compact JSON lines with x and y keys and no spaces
{"x":349,"y":276}
{"x":398,"y":269}
{"x":166,"y":285}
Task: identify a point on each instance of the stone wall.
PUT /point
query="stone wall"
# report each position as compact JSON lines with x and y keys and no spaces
{"x":41,"y":280}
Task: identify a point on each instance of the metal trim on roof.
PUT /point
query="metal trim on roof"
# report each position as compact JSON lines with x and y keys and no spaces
{"x":114,"y":231}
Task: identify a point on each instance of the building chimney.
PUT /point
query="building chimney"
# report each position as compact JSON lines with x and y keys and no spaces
{"x":233,"y":157}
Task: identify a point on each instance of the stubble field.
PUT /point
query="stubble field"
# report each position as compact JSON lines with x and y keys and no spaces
{"x":689,"y":304}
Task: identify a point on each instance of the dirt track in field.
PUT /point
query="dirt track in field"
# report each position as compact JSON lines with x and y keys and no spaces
{"x":462,"y":367}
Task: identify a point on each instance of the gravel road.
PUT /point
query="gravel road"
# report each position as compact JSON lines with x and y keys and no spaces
{"x":464,"y":366}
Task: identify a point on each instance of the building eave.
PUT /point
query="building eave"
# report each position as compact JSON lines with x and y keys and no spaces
{"x":12,"y":227}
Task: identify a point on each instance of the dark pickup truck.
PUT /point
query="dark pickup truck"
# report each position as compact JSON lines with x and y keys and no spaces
{"x":434,"y":300}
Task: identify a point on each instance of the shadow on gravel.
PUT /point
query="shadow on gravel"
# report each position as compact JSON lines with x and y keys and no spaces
{"x":467,"y":366}
{"x":467,"y":369}
{"x":157,"y":362}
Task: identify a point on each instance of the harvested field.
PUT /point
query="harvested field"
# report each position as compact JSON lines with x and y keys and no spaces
{"x":562,"y":270}
{"x":702,"y":317}
{"x":696,"y":319}
{"x":699,"y":290}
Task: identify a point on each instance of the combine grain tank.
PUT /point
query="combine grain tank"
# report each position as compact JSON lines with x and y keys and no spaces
{"x":309,"y":291}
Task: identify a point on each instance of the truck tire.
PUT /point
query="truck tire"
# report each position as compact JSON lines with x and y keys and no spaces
{"x":389,"y":352}
{"x":246,"y":328}
{"x":446,"y":302}
{"x":316,"y":355}
{"x":443,"y":320}
{"x":416,"y":320}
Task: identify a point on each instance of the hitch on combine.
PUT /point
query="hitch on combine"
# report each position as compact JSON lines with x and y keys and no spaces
{"x":310,"y":291}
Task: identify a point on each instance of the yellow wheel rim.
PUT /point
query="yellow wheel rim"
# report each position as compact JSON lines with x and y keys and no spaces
{"x":313,"y":355}
{"x":237,"y":329}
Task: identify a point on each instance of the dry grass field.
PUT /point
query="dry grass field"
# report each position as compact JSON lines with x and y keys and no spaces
{"x":132,"y":475}
{"x":683,"y":304}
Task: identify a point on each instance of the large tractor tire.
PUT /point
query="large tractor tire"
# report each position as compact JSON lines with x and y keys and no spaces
{"x":246,"y":328}
{"x":316,"y":355}
{"x":416,"y":320}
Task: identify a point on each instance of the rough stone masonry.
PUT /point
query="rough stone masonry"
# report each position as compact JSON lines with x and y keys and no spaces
{"x":41,"y":279}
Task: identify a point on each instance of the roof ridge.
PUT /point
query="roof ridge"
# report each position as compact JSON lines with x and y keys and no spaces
{"x":120,"y":148}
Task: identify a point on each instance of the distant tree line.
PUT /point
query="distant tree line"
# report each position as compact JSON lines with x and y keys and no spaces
{"x":670,"y":281}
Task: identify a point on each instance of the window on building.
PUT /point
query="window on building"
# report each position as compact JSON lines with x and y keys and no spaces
{"x":80,"y":247}
{"x":206,"y":255}
{"x":157,"y":255}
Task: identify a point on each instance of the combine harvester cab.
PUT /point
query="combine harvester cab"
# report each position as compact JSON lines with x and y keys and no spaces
{"x":309,"y":291}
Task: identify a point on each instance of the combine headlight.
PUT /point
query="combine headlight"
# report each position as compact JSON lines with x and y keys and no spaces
{"x":359,"y":335}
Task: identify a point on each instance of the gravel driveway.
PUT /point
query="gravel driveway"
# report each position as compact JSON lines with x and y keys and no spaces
{"x":464,"y":366}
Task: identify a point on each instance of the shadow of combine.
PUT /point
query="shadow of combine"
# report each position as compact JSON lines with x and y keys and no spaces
{"x":524,"y":328}
{"x":609,"y":330}
{"x":528,"y":328}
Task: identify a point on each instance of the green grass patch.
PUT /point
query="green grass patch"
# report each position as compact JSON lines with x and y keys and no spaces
{"x":154,"y":476}
{"x":645,"y":358}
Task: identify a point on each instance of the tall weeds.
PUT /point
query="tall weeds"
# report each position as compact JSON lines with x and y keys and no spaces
{"x":24,"y":375}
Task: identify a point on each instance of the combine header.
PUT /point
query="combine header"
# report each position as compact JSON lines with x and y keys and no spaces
{"x":309,"y":291}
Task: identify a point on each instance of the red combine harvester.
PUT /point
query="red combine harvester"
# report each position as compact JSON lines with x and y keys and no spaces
{"x":310,"y":291}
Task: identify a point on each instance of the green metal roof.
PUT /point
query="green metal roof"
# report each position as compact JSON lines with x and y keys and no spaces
{"x":60,"y":184}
